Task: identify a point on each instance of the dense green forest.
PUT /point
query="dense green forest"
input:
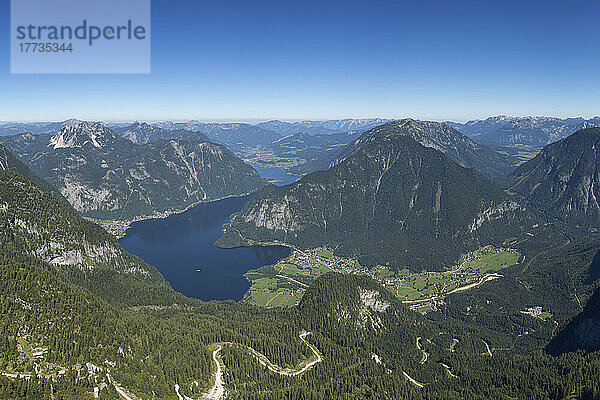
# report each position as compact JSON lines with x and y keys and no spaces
{"x":10,"y":162}
{"x":392,"y":201}
{"x":105,"y":317}
{"x":561,"y":179}
{"x":168,"y":345}
{"x":39,"y":226}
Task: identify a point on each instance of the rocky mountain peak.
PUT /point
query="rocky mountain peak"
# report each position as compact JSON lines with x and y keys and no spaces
{"x":72,"y":122}
{"x":430,"y":134}
{"x":441,"y":137}
{"x":80,"y":134}
{"x":140,"y":125}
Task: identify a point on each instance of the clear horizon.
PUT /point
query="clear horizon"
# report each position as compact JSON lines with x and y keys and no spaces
{"x":241,"y":61}
{"x":259,"y":120}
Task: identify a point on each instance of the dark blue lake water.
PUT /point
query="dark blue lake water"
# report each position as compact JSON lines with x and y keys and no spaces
{"x":182,"y":248}
{"x":280,"y":175}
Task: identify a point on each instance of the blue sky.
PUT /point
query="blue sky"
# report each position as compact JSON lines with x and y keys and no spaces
{"x":256,"y":60}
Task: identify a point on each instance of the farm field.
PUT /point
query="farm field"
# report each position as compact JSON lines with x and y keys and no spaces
{"x":283,"y":284}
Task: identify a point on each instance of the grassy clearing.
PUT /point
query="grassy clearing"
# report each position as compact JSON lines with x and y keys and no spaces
{"x":545,"y":315}
{"x":277,"y":285}
{"x":325,"y":253}
{"x":492,"y":260}
{"x":265,"y":284}
{"x":472,"y":267}
{"x":424,"y":309}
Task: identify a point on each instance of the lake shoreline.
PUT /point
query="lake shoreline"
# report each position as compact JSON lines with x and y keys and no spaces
{"x":118,"y":228}
{"x":183,"y":249}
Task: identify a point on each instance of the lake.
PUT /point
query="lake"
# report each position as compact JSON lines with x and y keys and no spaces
{"x":282,"y":177}
{"x":182,"y":248}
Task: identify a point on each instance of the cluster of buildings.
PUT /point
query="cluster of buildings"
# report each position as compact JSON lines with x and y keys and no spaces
{"x":36,"y":352}
{"x":456,"y":277}
{"x":533,"y":311}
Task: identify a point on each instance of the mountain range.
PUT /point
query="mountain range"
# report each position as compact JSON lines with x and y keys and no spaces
{"x":322,"y":127}
{"x":42,"y":128}
{"x":105,"y":176}
{"x":390,"y":200}
{"x":143,"y":133}
{"x":506,"y":131}
{"x":234,"y":135}
{"x":563,"y":180}
{"x":109,"y":321}
{"x":517,"y":139}
{"x":449,"y":141}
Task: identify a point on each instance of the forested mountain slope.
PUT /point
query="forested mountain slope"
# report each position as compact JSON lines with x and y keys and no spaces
{"x":583,"y":333}
{"x":452,"y":143}
{"x":37,"y":226}
{"x":367,"y":336}
{"x":108,"y":177}
{"x":391,"y":201}
{"x":563,"y":180}
{"x":145,"y":350}
{"x":8,"y":162}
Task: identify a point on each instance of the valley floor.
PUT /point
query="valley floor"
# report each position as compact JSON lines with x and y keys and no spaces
{"x":283,"y":284}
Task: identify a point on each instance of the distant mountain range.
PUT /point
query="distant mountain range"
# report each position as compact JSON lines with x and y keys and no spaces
{"x":503,"y":131}
{"x":105,"y":176}
{"x":233,"y":135}
{"x":517,"y":138}
{"x":42,"y":128}
{"x":563,"y":180}
{"x":391,"y":200}
{"x":300,"y":151}
{"x":298,"y":147}
{"x":143,"y":133}
{"x":495,"y":132}
{"x":322,"y":127}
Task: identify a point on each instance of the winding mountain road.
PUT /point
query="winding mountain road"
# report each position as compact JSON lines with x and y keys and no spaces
{"x":217,"y":392}
{"x":448,"y":370}
{"x":425,"y":355}
{"x":489,"y":351}
{"x":411,"y":380}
